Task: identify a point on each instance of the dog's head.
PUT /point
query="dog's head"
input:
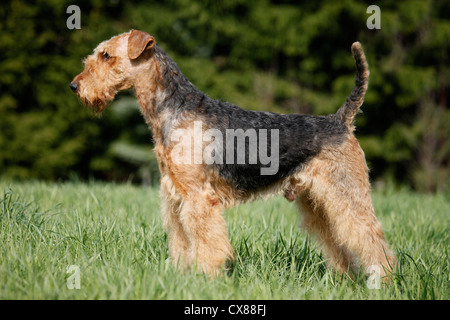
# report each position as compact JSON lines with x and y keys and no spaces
{"x":114,"y":65}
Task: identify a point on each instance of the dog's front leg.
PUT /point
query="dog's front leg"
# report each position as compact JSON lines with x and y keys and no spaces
{"x":204,"y":225}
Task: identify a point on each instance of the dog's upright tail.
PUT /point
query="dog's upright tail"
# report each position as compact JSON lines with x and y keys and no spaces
{"x":348,"y":111}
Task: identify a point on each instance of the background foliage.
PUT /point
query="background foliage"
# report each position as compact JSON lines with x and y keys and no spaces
{"x":280,"y":56}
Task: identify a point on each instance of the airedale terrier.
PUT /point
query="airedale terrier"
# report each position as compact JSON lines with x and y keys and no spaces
{"x":314,"y":160}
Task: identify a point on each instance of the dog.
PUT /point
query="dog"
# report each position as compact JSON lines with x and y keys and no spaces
{"x":315,"y":161}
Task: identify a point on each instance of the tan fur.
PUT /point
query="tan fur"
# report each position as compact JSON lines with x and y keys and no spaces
{"x":336,"y":195}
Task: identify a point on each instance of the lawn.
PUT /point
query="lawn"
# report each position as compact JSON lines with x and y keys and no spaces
{"x":109,"y":237}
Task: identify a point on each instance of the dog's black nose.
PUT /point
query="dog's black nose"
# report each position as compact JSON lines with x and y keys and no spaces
{"x":74,"y":86}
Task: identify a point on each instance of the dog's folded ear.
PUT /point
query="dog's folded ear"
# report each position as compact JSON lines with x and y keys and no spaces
{"x":138,"y":42}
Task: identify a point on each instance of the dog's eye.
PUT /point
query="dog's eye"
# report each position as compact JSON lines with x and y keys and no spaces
{"x":105,"y":56}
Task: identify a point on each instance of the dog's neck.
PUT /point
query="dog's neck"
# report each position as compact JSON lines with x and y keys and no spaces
{"x":164,"y":93}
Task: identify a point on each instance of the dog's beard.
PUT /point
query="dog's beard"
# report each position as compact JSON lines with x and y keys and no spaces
{"x":96,"y":105}
{"x":99,"y":103}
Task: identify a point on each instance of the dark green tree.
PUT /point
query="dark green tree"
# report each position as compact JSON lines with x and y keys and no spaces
{"x":280,"y":56}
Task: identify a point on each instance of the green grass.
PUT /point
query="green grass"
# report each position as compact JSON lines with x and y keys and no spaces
{"x":114,"y":234}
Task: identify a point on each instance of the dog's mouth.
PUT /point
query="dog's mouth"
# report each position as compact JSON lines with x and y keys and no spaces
{"x":97,"y":105}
